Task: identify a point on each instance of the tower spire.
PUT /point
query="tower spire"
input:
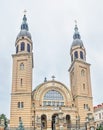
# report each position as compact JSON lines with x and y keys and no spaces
{"x":24,"y":25}
{"x":76,"y":33}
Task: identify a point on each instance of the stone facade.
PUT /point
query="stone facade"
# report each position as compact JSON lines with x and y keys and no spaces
{"x":51,"y":105}
{"x":98,"y":114}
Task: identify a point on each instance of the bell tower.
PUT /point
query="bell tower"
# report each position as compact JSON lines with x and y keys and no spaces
{"x":80,"y":80}
{"x":22,"y":78}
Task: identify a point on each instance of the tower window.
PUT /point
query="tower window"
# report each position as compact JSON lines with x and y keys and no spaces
{"x":86,"y":106}
{"x":19,"y":119}
{"x":81,"y":54}
{"x":21,"y":81}
{"x":20,"y":104}
{"x":22,"y":46}
{"x":21,"y":66}
{"x":76,"y":54}
{"x":17,"y":49}
{"x":28,"y":47}
{"x":83,"y":86}
{"x":82,"y":72}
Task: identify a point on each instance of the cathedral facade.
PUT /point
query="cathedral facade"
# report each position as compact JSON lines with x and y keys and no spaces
{"x":51,"y":105}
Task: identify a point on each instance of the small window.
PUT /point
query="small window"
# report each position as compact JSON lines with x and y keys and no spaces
{"x":83,"y":86}
{"x":81,"y":54}
{"x":28,"y":47}
{"x":21,"y":66}
{"x":20,"y":104}
{"x":82,"y":72}
{"x":22,"y":46}
{"x":99,"y":115}
{"x":19,"y":119}
{"x":17,"y":49}
{"x":21,"y":82}
{"x":86,"y":106}
{"x":76,"y":54}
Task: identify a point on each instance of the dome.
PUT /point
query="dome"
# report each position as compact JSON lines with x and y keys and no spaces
{"x":77,"y":42}
{"x":24,"y":29}
{"x":77,"y":38}
{"x":23,"y":33}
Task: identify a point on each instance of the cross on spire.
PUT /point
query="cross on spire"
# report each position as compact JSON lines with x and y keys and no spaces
{"x":25,"y":11}
{"x":75,"y":22}
{"x":53,"y":77}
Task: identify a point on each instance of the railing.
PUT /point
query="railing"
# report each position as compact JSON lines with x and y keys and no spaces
{"x":15,"y":128}
{"x":76,"y":127}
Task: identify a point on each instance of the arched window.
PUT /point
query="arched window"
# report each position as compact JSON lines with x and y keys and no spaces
{"x":17,"y":49}
{"x":19,"y":119}
{"x":21,"y":82}
{"x":68,"y":121}
{"x":75,"y":54}
{"x":53,"y":98}
{"x":83,"y":86}
{"x":53,"y":95}
{"x":22,"y":46}
{"x":28,"y":47}
{"x":82,"y":72}
{"x":81,"y":54}
{"x":44,"y":121}
{"x":20,"y":104}
{"x":21,"y":66}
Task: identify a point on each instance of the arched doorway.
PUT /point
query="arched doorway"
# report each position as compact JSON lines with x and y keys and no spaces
{"x":68,"y":121}
{"x":53,"y":123}
{"x":43,"y":122}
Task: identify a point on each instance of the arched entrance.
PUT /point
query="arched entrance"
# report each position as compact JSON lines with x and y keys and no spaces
{"x":53,"y":123}
{"x":43,"y":122}
{"x":68,"y":121}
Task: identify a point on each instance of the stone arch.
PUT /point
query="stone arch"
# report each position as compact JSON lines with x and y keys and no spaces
{"x":68,"y":121}
{"x":42,"y":89}
{"x":43,"y":121}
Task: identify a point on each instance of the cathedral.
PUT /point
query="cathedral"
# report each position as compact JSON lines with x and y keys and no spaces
{"x":51,"y":105}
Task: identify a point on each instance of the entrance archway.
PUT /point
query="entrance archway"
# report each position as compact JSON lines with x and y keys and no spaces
{"x":68,"y":121}
{"x":53,"y":123}
{"x":43,"y":122}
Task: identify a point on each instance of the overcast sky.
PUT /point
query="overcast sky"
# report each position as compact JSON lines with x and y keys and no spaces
{"x":51,"y":24}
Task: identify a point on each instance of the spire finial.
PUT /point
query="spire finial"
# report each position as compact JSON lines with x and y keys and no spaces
{"x":76,"y":28}
{"x":76,"y":33}
{"x":75,"y":22}
{"x":53,"y":77}
{"x":25,"y":11}
{"x":24,"y":25}
{"x":45,"y":79}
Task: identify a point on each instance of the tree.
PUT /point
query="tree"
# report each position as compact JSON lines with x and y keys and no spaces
{"x":3,"y":116}
{"x":100,"y":127}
